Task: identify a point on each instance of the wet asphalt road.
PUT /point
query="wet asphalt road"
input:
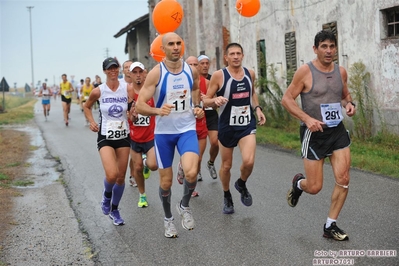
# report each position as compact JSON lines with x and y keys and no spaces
{"x":267,"y":233}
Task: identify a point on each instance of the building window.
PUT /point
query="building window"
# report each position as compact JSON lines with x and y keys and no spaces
{"x":261,"y":54}
{"x":290,"y":55}
{"x":333,"y":27}
{"x":391,"y":22}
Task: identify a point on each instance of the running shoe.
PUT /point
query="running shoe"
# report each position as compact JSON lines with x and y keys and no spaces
{"x":335,"y":232}
{"x":294,"y":193}
{"x":116,"y":217}
{"x":106,"y":205}
{"x":246,"y":197}
{"x":180,"y":174}
{"x":199,"y":176}
{"x":146,"y":170}
{"x":142,"y":201}
{"x":212,"y":170}
{"x":187,"y":220}
{"x":132,"y":181}
{"x":170,"y":229}
{"x":228,"y":207}
{"x":194,"y":194}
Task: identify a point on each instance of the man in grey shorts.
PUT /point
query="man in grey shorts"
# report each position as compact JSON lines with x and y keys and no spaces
{"x":324,"y":94}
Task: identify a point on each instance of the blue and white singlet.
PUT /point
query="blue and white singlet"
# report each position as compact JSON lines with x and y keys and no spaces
{"x":175,"y":89}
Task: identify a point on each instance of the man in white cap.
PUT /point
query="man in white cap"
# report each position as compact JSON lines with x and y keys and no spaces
{"x":212,"y":119}
{"x":142,"y":127}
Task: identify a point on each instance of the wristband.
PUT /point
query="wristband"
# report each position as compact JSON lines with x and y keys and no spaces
{"x":197,"y":105}
{"x":258,"y":106}
{"x":354,"y":105}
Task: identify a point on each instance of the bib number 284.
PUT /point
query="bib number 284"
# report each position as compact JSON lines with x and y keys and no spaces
{"x":116,"y":130}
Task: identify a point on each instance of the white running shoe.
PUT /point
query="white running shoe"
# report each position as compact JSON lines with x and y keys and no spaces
{"x":170,"y":229}
{"x":132,"y":181}
{"x":187,"y":220}
{"x":212,"y":170}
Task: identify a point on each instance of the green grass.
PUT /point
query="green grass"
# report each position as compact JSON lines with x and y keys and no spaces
{"x":4,"y":177}
{"x":5,"y":180}
{"x":379,"y":154}
{"x":18,"y":110}
{"x":23,"y":183}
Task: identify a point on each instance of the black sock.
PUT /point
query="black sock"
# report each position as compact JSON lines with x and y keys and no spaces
{"x":108,"y":195}
{"x":227,"y":194}
{"x":114,"y":207}
{"x":210,"y":162}
{"x":241,"y":183}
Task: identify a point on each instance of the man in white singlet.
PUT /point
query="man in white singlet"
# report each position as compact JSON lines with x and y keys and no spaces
{"x":174,"y":86}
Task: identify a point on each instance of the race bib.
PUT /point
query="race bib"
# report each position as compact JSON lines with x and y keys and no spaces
{"x":142,"y":121}
{"x":67,"y":93}
{"x":180,"y":99}
{"x":240,"y":115}
{"x":85,"y":98}
{"x":331,"y":113}
{"x":116,"y":130}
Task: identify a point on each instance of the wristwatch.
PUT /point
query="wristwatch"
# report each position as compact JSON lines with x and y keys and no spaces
{"x":354,"y":105}
{"x":258,"y":106}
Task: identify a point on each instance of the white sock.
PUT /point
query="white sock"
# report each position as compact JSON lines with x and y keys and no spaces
{"x":142,"y":194}
{"x":329,"y":222}
{"x":298,"y":184}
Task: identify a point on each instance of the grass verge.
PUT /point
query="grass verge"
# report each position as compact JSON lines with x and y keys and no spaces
{"x":18,"y":110}
{"x":378,"y":154}
{"x":14,"y":150}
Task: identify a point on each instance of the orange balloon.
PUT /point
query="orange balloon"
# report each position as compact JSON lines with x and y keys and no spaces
{"x":167,"y":16}
{"x":248,"y":8}
{"x":155,"y":49}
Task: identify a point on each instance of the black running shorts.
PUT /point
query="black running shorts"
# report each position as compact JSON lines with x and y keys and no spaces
{"x":319,"y":145}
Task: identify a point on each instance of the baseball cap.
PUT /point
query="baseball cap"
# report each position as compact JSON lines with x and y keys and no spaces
{"x":136,"y":64}
{"x":202,"y":57}
{"x":110,"y":61}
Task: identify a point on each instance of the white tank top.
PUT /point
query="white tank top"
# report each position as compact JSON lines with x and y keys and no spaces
{"x":113,"y":107}
{"x":46,"y":94}
{"x":175,"y":89}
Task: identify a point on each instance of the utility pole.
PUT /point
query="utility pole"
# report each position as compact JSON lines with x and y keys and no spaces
{"x":31,"y":47}
{"x":106,"y":52}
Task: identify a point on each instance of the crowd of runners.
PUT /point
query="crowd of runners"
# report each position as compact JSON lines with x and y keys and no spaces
{"x":179,"y":105}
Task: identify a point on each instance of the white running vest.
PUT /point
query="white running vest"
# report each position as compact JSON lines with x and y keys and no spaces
{"x":113,"y":108}
{"x":46,"y":94}
{"x":175,"y":89}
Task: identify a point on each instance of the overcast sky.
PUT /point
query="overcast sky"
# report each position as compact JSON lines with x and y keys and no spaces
{"x":70,"y":36}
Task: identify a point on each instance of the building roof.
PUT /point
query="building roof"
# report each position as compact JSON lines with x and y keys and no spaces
{"x":132,"y":25}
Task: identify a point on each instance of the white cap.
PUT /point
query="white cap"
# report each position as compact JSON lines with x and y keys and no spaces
{"x":202,"y":57}
{"x":136,"y":64}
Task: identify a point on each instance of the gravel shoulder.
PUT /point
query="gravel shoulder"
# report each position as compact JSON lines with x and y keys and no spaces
{"x":43,"y":229}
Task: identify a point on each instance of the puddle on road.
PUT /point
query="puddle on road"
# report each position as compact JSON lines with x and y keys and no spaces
{"x":43,"y":169}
